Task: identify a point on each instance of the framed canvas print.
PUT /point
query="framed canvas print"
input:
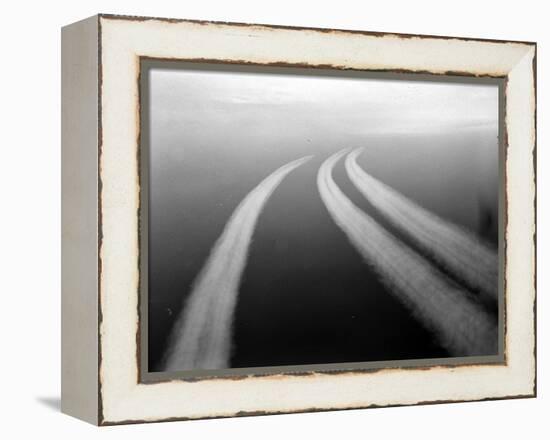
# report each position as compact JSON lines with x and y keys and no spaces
{"x":263,"y":219}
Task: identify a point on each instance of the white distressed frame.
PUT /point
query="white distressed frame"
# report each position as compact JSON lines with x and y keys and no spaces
{"x":122,"y":41}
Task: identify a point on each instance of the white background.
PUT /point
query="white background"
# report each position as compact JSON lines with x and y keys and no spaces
{"x":30,"y":220}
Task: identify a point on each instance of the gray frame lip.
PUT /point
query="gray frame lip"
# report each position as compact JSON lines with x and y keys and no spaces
{"x":369,"y":367}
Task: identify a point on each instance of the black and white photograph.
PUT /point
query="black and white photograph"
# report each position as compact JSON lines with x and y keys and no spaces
{"x":275,"y":220}
{"x":298,"y":218}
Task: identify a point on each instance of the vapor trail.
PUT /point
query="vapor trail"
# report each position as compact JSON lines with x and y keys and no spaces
{"x":456,"y":249}
{"x":460,"y":324}
{"x":202,"y":335}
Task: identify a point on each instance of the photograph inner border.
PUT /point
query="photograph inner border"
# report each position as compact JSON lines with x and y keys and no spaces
{"x":145,"y":66}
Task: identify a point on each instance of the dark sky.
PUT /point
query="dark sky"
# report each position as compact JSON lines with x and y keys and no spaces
{"x":306,"y":295}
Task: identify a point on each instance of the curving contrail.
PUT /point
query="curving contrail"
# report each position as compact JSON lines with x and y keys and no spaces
{"x":456,"y":249}
{"x":201,"y":338}
{"x":460,"y":324}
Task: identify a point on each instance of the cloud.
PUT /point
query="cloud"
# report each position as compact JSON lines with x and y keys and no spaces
{"x":350,"y":105}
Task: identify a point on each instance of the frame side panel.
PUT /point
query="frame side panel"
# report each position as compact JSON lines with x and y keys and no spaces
{"x":79,"y":182}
